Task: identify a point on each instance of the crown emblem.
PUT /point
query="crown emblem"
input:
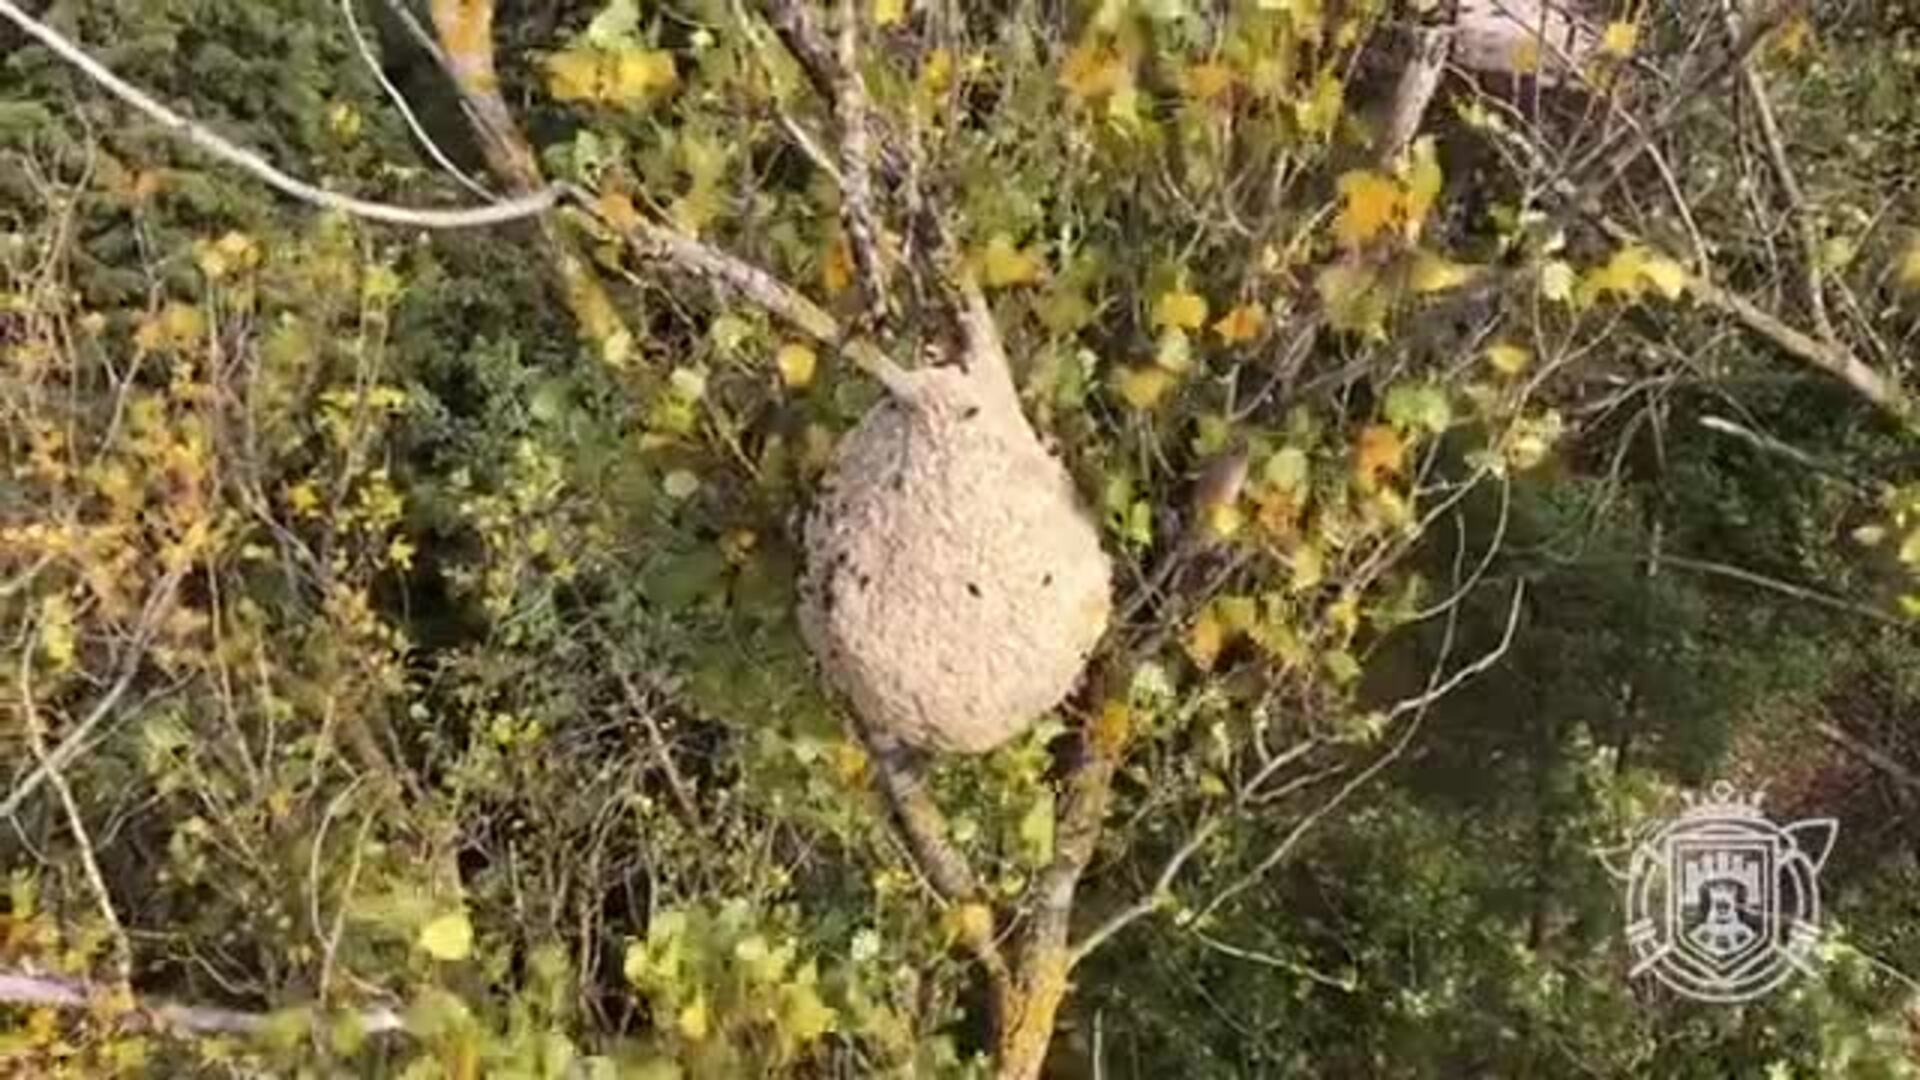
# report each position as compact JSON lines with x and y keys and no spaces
{"x":1725,"y":802}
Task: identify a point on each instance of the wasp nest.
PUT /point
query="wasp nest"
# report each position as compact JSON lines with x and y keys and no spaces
{"x":954,"y":586}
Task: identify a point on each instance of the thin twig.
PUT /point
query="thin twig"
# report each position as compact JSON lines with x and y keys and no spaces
{"x":1418,"y":705}
{"x":76,"y":823}
{"x":516,"y":209}
{"x":399,"y":101}
{"x":79,"y":738}
{"x":734,"y":275}
{"x":1871,"y":754}
{"x":1783,"y":175}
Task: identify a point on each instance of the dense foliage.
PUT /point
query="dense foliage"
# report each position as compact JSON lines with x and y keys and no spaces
{"x":400,"y":666}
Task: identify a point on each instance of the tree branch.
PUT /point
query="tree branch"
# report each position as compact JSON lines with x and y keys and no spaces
{"x":465,"y":31}
{"x":81,"y":736}
{"x":858,"y":213}
{"x":401,"y":105}
{"x":533,"y":203}
{"x":736,"y":276}
{"x":46,"y":991}
{"x":924,"y":827}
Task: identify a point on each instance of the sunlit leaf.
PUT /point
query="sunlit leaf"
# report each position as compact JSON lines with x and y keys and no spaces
{"x":449,"y":937}
{"x":1142,"y":387}
{"x":1619,"y":39}
{"x":1180,"y":309}
{"x":1379,"y":452}
{"x":1370,"y":203}
{"x":1002,"y":264}
{"x":1242,"y":324}
{"x":1507,"y":358}
{"x":796,"y":363}
{"x":1204,"y":639}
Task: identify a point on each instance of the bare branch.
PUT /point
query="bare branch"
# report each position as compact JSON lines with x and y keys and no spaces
{"x":465,"y":29}
{"x":1417,"y":705}
{"x":1599,"y":167}
{"x":1783,"y":175}
{"x":736,"y":276}
{"x":46,"y":991}
{"x":924,"y":827}
{"x":399,"y":101}
{"x":1419,"y":81}
{"x":76,"y":824}
{"x":80,"y":737}
{"x":858,"y":211}
{"x":532,"y":204}
{"x":1870,"y":754}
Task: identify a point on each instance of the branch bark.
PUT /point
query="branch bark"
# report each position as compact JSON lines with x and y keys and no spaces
{"x":18,"y":987}
{"x":465,"y":32}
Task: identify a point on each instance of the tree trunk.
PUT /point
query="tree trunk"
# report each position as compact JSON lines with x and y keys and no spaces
{"x":1027,"y":1020}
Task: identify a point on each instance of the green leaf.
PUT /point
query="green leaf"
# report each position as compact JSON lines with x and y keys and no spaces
{"x":1409,"y":407}
{"x":1286,"y":470}
{"x":616,"y":25}
{"x":1036,"y":829}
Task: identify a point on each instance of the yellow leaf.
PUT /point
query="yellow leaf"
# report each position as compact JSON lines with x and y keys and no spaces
{"x":693,"y":1022}
{"x":1379,"y":453}
{"x":1181,"y":309}
{"x":449,"y":937}
{"x":970,"y":922}
{"x":936,"y":72}
{"x":303,"y":498}
{"x":836,"y":270}
{"x":618,"y":210}
{"x":1205,"y":638}
{"x":1092,"y":71}
{"x":400,"y":554}
{"x":1224,"y":519}
{"x":1620,"y":39}
{"x":1667,"y":276}
{"x":574,"y":75}
{"x":1370,"y":203}
{"x":56,"y":631}
{"x":796,"y":363}
{"x":1003,"y":264}
{"x":1508,"y":359}
{"x":1630,"y":271}
{"x":1792,"y":39}
{"x":1208,"y":81}
{"x":1142,"y":387}
{"x":1237,"y":613}
{"x":1309,"y":569}
{"x":1242,"y":324}
{"x":889,"y":12}
{"x":1910,"y":264}
{"x":1437,"y":273}
{"x":625,"y":76}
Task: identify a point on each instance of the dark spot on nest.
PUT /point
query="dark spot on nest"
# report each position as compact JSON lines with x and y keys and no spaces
{"x":1046,"y":579}
{"x":971,"y":412}
{"x":863,"y":580}
{"x":973,"y":589}
{"x":898,"y":482}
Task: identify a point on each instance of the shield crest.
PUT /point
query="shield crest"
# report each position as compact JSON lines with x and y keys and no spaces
{"x":1723,"y":904}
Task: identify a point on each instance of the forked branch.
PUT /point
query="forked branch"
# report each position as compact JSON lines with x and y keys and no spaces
{"x":531,"y":203}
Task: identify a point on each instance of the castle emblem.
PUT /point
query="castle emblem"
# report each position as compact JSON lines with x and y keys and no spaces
{"x":1723,"y":904}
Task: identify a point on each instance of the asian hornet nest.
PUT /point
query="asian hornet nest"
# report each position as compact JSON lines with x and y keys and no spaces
{"x":954,"y":586}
